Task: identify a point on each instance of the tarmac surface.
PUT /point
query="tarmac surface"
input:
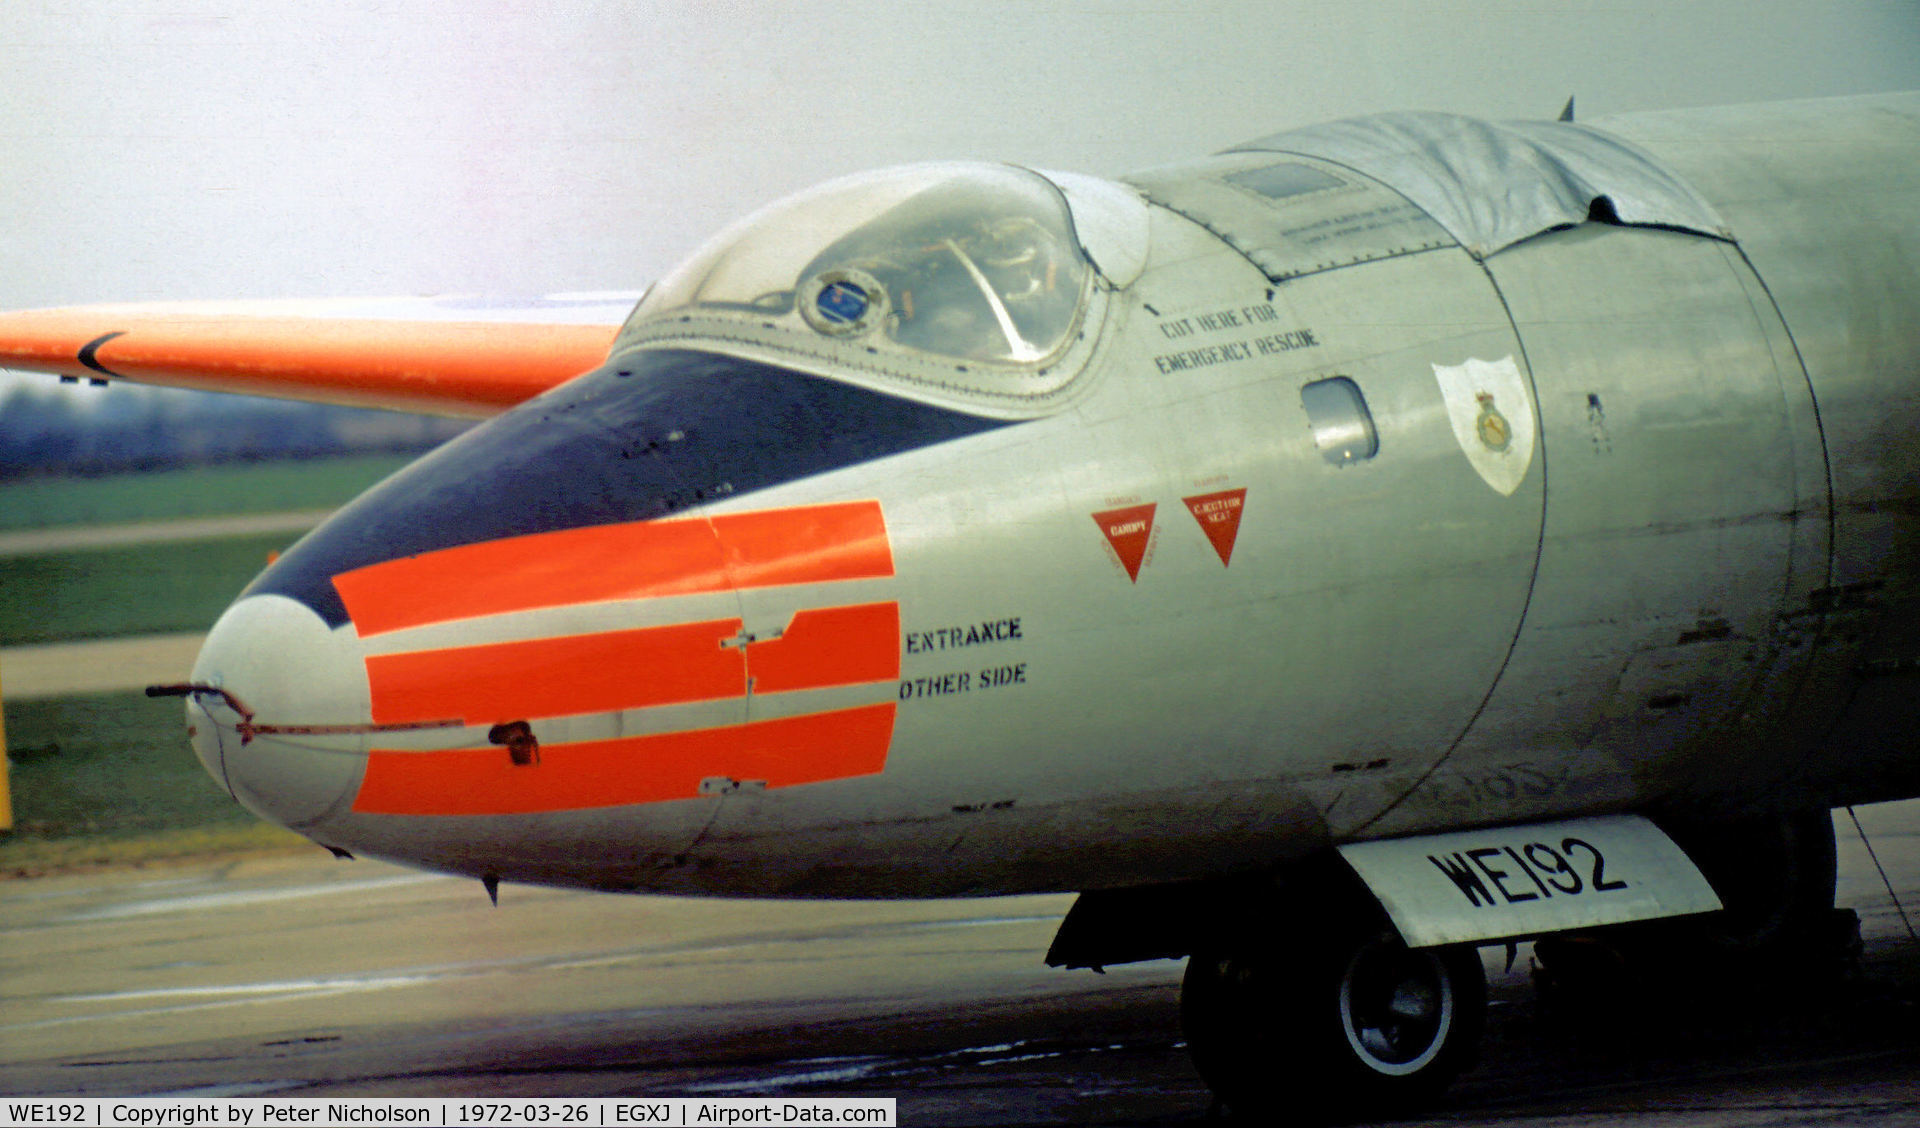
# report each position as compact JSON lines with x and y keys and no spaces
{"x":57,"y":669}
{"x":68,"y":538}
{"x":303,"y":976}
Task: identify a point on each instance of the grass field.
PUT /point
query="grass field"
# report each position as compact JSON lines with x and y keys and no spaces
{"x":111,"y":762}
{"x":110,"y":777}
{"x":151,"y":588}
{"x":140,"y":589}
{"x":270,"y":487}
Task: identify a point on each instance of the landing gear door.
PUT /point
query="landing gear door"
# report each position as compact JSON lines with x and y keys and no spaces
{"x":1484,"y":885}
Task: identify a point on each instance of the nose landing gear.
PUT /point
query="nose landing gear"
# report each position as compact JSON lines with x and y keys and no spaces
{"x":1351,"y":1023}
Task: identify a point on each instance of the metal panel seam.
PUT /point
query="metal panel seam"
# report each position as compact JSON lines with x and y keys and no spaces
{"x":1533,"y":579}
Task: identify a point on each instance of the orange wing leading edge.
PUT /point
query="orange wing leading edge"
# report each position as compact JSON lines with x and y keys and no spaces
{"x":473,"y":361}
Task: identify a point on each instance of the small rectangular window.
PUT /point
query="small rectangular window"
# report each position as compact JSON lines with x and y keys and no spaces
{"x":1277,"y":182}
{"x":1342,"y":425}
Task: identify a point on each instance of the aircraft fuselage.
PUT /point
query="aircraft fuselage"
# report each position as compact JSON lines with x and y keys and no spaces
{"x":1341,"y":527}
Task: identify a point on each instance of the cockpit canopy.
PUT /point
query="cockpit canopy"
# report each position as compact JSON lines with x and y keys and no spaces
{"x":964,"y":275}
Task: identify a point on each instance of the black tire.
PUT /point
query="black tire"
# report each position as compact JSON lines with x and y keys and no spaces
{"x":1331,"y":1030}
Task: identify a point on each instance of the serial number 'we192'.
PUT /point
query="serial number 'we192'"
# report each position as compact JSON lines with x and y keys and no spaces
{"x":1495,"y":883}
{"x":1533,"y":872}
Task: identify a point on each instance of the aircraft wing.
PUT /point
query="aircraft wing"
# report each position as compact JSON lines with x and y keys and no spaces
{"x":460,"y":356}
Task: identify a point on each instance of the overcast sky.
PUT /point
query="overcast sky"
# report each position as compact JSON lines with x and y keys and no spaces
{"x":255,"y":148}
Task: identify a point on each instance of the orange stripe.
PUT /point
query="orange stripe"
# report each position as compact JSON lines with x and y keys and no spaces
{"x":830,"y":646}
{"x":810,"y":544}
{"x":469,"y":368}
{"x":640,"y":769}
{"x":557,"y":677}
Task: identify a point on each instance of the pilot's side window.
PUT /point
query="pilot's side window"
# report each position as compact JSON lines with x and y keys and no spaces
{"x":1342,"y":426}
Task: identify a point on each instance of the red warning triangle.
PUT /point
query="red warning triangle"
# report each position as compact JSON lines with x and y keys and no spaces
{"x":1219,"y":517}
{"x":1128,"y":530}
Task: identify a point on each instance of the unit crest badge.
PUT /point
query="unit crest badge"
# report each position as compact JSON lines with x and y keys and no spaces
{"x":1492,"y":418}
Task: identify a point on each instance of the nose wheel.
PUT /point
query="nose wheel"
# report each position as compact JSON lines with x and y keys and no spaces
{"x":1332,"y":1026}
{"x":1397,"y":1007}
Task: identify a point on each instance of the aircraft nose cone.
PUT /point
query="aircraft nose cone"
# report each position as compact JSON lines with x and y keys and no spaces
{"x":276,"y":659}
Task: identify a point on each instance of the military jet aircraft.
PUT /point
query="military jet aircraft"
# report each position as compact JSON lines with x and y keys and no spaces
{"x":1371,"y":542}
